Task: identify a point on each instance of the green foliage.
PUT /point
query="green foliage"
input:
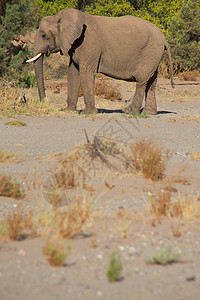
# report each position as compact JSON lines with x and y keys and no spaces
{"x":14,"y":51}
{"x":115,"y":266}
{"x":110,"y":8}
{"x":184,"y":36}
{"x":48,"y":7}
{"x":158,"y":12}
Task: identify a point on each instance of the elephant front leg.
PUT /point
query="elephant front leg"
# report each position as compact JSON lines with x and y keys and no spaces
{"x":73,"y":77}
{"x":150,"y":96}
{"x":87,"y":84}
{"x":136,"y":100}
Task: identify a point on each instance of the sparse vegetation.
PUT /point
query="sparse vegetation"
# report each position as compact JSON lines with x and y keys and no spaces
{"x":150,"y":158}
{"x":115,"y":266}
{"x":69,"y":224}
{"x":19,"y":223}
{"x":107,"y":91}
{"x":195,"y":156}
{"x":161,"y":204}
{"x":6,"y":156}
{"x":190,"y":75}
{"x":16,"y":123}
{"x":164,"y":256}
{"x":55,"y":252}
{"x":10,"y":188}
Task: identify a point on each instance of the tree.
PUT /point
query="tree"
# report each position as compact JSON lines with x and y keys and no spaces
{"x":15,"y":20}
{"x":184,"y":36}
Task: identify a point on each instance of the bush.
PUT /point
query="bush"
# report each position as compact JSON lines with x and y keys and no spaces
{"x":183,"y":36}
{"x":14,"y":51}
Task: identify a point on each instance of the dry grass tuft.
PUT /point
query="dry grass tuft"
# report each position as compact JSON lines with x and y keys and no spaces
{"x":19,"y":223}
{"x":150,"y":158}
{"x":161,"y":204}
{"x":55,"y":252}
{"x":9,"y":188}
{"x":189,"y":75}
{"x":7,"y":157}
{"x":195,"y":156}
{"x":104,"y":90}
{"x":107,"y":91}
{"x":69,"y":224}
{"x":68,"y":177}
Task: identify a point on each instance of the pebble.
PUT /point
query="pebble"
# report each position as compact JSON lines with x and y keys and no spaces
{"x":99,"y":293}
{"x":121,"y":248}
{"x":132,"y":250}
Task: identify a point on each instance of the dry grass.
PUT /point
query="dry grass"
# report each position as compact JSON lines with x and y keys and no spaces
{"x":104,"y":90}
{"x":9,"y":95}
{"x":150,"y":158}
{"x":107,"y":91}
{"x":195,"y":156}
{"x":68,"y":177}
{"x":9,"y":188}
{"x":7,"y":157}
{"x":162,"y":204}
{"x":55,"y":252}
{"x":19,"y":223}
{"x":189,"y":75}
{"x":69,"y":224}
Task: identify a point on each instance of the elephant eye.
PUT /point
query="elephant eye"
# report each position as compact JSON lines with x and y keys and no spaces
{"x":43,"y":35}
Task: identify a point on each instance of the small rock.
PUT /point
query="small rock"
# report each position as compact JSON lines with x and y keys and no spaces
{"x":121,"y":248}
{"x":132,"y":250}
{"x":21,"y":252}
{"x":191,"y":278}
{"x":99,"y":293}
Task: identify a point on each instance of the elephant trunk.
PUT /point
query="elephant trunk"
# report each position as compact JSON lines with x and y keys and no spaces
{"x":40,"y":77}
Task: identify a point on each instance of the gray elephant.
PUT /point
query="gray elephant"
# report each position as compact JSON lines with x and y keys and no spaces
{"x":127,"y":48}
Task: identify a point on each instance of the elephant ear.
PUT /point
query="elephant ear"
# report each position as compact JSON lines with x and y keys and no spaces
{"x":70,"y":27}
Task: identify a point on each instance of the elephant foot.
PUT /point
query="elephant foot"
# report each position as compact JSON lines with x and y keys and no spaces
{"x":69,"y":108}
{"x":149,"y":111}
{"x":132,"y":110}
{"x":88,"y":111}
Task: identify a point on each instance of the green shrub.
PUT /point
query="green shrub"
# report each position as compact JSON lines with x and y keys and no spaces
{"x":115,"y":266}
{"x":183,"y":36}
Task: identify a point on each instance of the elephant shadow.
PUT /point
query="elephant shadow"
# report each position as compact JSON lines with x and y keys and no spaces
{"x":166,"y":112}
{"x":120,"y":111}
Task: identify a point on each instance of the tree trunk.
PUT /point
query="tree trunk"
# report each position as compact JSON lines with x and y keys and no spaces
{"x":40,"y":77}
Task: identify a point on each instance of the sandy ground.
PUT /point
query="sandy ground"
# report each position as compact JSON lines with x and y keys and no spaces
{"x":25,"y":273}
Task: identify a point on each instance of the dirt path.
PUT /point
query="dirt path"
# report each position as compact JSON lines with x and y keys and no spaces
{"x":24,"y":272}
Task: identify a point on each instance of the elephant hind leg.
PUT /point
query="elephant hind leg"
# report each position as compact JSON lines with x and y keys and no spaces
{"x":136,"y":100}
{"x":150,"y":96}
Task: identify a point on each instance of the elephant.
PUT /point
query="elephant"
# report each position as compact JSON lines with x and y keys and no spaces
{"x":127,"y":48}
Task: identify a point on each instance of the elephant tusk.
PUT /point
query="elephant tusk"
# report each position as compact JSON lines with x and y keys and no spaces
{"x":34,"y":58}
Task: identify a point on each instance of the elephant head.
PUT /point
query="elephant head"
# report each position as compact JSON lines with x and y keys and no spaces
{"x":56,"y":33}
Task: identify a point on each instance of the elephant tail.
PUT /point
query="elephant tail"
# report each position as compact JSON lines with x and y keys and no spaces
{"x":170,"y":64}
